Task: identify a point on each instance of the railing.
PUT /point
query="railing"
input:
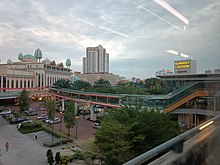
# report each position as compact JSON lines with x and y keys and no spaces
{"x":175,"y":144}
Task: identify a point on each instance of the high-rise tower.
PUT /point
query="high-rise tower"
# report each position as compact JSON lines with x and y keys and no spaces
{"x":96,"y":60}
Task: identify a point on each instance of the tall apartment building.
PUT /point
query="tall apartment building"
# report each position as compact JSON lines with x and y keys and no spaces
{"x":96,"y":60}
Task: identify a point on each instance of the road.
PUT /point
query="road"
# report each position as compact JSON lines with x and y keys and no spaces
{"x":84,"y":129}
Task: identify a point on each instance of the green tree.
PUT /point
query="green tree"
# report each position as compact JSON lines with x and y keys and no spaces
{"x":131,"y":132}
{"x":102,"y":83}
{"x":62,"y":83}
{"x":69,"y":116}
{"x":50,"y":158}
{"x":24,"y":100}
{"x":51,"y":109}
{"x":57,"y":158}
{"x":81,"y":85}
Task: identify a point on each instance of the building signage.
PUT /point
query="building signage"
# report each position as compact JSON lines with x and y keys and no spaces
{"x":182,"y":64}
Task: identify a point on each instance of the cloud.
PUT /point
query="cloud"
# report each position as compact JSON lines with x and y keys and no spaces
{"x":136,"y":39}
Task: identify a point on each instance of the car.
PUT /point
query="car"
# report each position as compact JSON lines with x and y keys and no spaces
{"x":54,"y":121}
{"x":96,"y":125}
{"x":18,"y":120}
{"x":5,"y":112}
{"x":27,"y":121}
{"x":42,"y":116}
{"x":42,"y":108}
{"x":31,"y":113}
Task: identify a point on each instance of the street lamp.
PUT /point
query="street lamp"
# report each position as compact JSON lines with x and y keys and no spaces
{"x":61,"y":120}
{"x":77,"y":122}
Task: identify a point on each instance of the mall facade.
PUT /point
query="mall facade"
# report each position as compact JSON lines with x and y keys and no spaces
{"x":31,"y":72}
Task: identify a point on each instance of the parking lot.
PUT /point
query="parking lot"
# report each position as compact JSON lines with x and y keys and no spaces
{"x":84,"y":129}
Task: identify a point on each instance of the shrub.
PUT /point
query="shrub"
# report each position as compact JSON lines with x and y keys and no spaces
{"x":30,"y":127}
{"x":55,"y":142}
{"x":57,"y":158}
{"x":55,"y":132}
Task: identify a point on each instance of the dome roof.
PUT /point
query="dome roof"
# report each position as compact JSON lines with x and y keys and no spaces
{"x":75,"y":78}
{"x":20,"y":56}
{"x":9,"y":61}
{"x":28,"y":56}
{"x":68,"y":62}
{"x":38,"y":54}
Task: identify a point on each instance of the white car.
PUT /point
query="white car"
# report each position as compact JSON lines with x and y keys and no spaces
{"x":42,"y":116}
{"x":54,"y":121}
{"x":96,"y":125}
{"x":5,"y":112}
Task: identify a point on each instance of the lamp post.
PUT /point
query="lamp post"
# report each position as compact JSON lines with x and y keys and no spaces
{"x":61,"y":120}
{"x":77,"y":122}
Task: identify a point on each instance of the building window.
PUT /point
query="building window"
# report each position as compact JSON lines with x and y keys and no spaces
{"x":28,"y":84}
{"x":38,"y":80}
{"x":24,"y":83}
{"x":12,"y":83}
{"x":42,"y":80}
{"x":16,"y":83}
{"x":32,"y":83}
{"x":21,"y":85}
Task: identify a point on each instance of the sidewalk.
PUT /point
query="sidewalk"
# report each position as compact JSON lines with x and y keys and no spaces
{"x":22,"y":149}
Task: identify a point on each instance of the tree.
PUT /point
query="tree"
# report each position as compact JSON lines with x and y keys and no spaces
{"x":81,"y":85}
{"x":62,"y":83}
{"x":102,"y":83}
{"x":50,"y":159}
{"x":51,"y":108}
{"x":131,"y":132}
{"x":24,"y":100}
{"x":69,"y":116}
{"x":57,"y":157}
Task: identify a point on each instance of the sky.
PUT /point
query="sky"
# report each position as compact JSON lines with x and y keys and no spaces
{"x":135,"y":33}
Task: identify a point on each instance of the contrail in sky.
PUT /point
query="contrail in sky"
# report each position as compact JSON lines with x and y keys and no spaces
{"x":103,"y":28}
{"x":145,"y":9}
{"x":113,"y":31}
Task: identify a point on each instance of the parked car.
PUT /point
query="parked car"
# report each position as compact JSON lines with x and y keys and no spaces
{"x":18,"y":120}
{"x":96,"y":125}
{"x":42,"y":108}
{"x":42,"y":116}
{"x":54,"y":121}
{"x":8,"y":117}
{"x":5,"y":112}
{"x":31,"y":113}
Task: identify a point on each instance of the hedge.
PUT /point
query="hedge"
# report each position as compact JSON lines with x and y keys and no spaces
{"x":56,"y":142}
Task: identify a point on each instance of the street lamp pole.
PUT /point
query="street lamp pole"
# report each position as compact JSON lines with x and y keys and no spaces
{"x":77,"y":121}
{"x":61,"y":120}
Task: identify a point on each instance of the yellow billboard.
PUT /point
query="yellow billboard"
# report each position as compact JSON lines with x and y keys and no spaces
{"x":182,"y":64}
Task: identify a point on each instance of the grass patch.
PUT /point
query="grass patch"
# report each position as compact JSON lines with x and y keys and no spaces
{"x":30,"y":127}
{"x":55,"y":132}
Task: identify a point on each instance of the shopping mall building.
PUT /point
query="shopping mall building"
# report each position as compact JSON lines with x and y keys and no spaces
{"x":31,"y":72}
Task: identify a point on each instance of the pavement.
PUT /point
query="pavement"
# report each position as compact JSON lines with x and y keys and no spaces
{"x":24,"y":148}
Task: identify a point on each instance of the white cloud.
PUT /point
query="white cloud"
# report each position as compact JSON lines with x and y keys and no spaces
{"x":135,"y":39}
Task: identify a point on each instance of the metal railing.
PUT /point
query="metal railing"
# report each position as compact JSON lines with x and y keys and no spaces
{"x":175,"y":144}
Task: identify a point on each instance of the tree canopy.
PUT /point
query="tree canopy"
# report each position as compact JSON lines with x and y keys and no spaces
{"x":69,"y":116}
{"x":131,"y":132}
{"x":24,"y":100}
{"x":102,"y":83}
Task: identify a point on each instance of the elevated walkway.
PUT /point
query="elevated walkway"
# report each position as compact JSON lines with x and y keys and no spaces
{"x":180,"y":102}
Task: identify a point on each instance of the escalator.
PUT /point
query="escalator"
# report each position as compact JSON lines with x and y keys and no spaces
{"x":174,"y":105}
